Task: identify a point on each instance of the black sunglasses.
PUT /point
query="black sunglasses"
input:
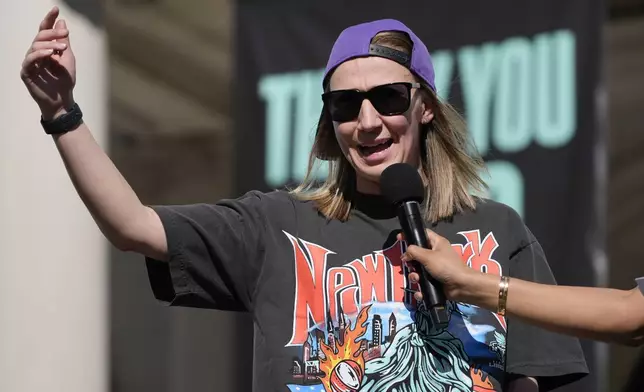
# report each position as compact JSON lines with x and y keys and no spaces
{"x":388,"y":99}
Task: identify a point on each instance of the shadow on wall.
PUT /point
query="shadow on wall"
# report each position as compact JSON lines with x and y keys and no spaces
{"x":91,"y":9}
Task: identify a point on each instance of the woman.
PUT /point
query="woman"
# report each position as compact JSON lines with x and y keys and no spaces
{"x":610,"y":315}
{"x":320,"y":267}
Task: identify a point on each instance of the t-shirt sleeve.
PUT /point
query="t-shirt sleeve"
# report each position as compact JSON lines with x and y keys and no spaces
{"x":215,"y":252}
{"x":640,"y":284}
{"x":553,"y":359}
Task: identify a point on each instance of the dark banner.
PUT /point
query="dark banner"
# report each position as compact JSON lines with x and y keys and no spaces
{"x":526,"y":75}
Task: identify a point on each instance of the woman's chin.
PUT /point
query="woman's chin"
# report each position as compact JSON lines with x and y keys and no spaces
{"x":370,"y":173}
{"x":370,"y":168}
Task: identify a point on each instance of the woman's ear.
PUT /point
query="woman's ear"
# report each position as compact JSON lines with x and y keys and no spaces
{"x":428,"y":113}
{"x":427,"y":106}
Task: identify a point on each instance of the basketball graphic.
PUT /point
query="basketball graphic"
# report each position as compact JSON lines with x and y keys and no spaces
{"x":346,"y":376}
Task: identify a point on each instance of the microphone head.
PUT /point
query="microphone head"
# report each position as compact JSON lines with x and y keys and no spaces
{"x":400,"y":183}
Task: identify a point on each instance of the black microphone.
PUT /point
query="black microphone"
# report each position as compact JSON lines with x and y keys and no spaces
{"x":401,"y":185}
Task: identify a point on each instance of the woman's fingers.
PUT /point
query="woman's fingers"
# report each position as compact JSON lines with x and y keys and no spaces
{"x":48,"y":22}
{"x":59,"y":46}
{"x":34,"y":57}
{"x":51,"y":34}
{"x":61,"y":25}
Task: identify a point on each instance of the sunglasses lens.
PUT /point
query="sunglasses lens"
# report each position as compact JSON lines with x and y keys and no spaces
{"x":344,"y":105}
{"x":390,"y":99}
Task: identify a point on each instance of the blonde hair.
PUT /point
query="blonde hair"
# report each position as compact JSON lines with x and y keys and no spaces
{"x":449,"y":165}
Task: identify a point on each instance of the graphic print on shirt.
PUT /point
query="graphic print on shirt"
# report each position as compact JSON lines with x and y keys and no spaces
{"x":358,"y":328}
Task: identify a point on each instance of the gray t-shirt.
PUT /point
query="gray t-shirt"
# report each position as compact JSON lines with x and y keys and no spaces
{"x":640,"y":284}
{"x":331,"y":300}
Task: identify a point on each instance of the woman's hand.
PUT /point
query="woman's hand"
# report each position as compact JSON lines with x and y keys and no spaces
{"x":49,"y":68}
{"x":443,"y":263}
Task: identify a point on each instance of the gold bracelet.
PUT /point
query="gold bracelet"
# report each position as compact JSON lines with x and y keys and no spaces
{"x":504,"y":284}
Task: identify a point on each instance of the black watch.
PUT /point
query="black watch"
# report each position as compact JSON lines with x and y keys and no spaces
{"x":65,"y":123}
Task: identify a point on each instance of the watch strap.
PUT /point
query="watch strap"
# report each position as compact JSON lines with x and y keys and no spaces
{"x":65,"y":123}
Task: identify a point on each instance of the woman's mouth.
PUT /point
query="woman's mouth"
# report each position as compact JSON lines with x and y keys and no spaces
{"x":375,"y":152}
{"x":377,"y":147}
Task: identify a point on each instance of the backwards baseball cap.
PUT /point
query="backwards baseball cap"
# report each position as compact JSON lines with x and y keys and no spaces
{"x":355,"y":41}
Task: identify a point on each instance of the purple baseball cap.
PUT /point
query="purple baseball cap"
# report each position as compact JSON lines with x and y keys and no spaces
{"x":355,"y":41}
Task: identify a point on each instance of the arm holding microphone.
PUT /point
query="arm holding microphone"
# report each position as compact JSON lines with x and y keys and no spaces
{"x":610,"y":315}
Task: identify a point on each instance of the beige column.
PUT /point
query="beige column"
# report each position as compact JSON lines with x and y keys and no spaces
{"x":53,"y":270}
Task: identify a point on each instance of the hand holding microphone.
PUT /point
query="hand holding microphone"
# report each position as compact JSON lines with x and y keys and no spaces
{"x":442,"y":263}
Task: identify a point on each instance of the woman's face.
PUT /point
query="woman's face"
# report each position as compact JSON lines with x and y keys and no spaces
{"x":371,"y":141}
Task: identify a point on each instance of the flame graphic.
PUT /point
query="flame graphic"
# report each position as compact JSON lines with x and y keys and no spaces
{"x":350,"y":349}
{"x":480,"y":381}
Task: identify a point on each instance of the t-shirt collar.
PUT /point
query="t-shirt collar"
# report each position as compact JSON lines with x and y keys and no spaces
{"x":374,"y":206}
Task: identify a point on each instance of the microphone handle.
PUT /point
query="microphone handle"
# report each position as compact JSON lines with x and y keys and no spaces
{"x":413,"y":227}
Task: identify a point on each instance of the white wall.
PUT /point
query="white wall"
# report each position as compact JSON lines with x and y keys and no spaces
{"x":53,"y":270}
